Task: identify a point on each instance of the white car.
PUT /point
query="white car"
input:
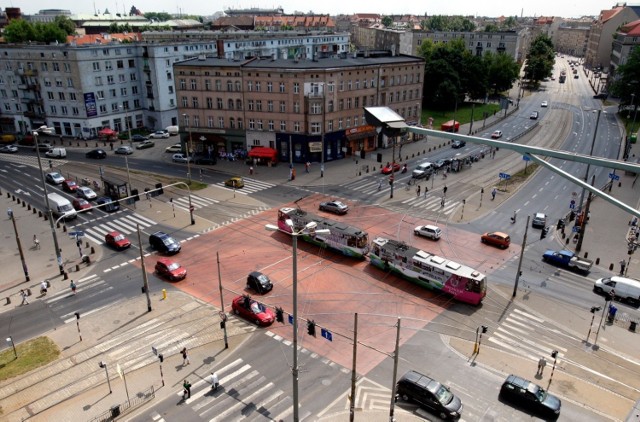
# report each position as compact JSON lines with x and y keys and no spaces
{"x":54,"y":178}
{"x":174,"y":148}
{"x":496,"y":134}
{"x":428,"y":231}
{"x":126,"y":150}
{"x":160,"y":134}
{"x":181,"y":158}
{"x":86,"y":193}
{"x":544,"y":104}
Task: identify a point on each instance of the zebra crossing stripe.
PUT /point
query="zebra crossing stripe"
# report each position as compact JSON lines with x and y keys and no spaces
{"x":142,"y":218}
{"x":221,"y":416}
{"x":82,"y":284}
{"x":84,"y":314}
{"x":120,"y":226}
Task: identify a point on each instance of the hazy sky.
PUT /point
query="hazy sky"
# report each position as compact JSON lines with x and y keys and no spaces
{"x":566,"y":8}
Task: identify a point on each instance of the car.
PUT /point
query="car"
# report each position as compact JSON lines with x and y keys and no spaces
{"x":56,"y":153}
{"x":107,"y":204}
{"x":174,"y":148}
{"x":390,"y":168}
{"x":429,"y":394}
{"x":458,"y":144}
{"x":80,"y":204}
{"x":534,"y":115}
{"x":499,"y":239}
{"x":9,"y":149}
{"x":335,"y":207}
{"x":138,"y":138}
{"x":164,"y":243}
{"x":54,"y":178}
{"x":429,"y":231}
{"x":442,"y":162}
{"x":236,"y":182}
{"x":252,"y":311}
{"x":69,"y":186}
{"x":117,"y":240}
{"x":125,"y":150}
{"x":539,"y":220}
{"x":530,"y":396}
{"x":497,"y":134}
{"x":86,"y":193}
{"x":170,"y":269}
{"x":96,"y":154}
{"x":544,"y":104}
{"x":423,"y":170}
{"x":181,"y":158}
{"x":159,"y":134}
{"x":553,"y":78}
{"x":43,"y":147}
{"x":259,"y":282}
{"x":210,"y":161}
{"x":601,"y":96}
{"x":145,"y":144}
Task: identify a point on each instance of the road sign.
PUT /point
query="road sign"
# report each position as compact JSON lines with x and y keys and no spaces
{"x":326,"y":334}
{"x":78,"y":233}
{"x":290,"y":319}
{"x":572,"y":206}
{"x":614,"y":176}
{"x":576,"y":229}
{"x":504,"y":176}
{"x":526,"y":158}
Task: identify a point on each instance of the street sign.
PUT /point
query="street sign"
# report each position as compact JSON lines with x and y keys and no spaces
{"x":154,"y":350}
{"x":504,"y":176}
{"x":572,"y":206}
{"x":526,"y":158}
{"x":78,"y":233}
{"x":614,"y":176}
{"x":576,"y":229}
{"x":290,"y":319}
{"x":326,"y":334}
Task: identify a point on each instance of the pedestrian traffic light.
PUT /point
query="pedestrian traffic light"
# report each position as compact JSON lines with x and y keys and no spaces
{"x":279,"y":315}
{"x":379,"y":157}
{"x":161,"y":358}
{"x":311,"y":328}
{"x":554,"y":354}
{"x":543,"y":233}
{"x":484,"y":329}
{"x":77,"y":314}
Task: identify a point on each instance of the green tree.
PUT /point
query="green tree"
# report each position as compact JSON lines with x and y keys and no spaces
{"x":510,"y":23}
{"x":387,"y":21}
{"x":502,"y":71}
{"x":627,"y":79}
{"x":19,"y":31}
{"x":491,"y":28}
{"x":540,"y":60}
{"x":158,"y":16}
{"x":66,"y":24}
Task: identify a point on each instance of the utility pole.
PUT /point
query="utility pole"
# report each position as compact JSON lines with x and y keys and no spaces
{"x":395,"y":374}
{"x":15,"y":229}
{"x":393,"y":160}
{"x":524,"y":243}
{"x":585,"y":217}
{"x":145,"y":281}
{"x":354,"y":375}
{"x":223,"y":316}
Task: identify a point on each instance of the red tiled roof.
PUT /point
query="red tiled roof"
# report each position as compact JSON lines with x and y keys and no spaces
{"x":632,"y":28}
{"x":605,"y":15}
{"x":101,"y":38}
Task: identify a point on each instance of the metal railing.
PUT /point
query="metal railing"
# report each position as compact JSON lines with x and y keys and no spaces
{"x":122,"y":409}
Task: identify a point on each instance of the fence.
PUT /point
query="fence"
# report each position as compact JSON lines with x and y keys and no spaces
{"x":121,"y":409}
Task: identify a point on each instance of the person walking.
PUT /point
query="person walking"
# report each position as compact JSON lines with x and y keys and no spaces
{"x":185,"y":357}
{"x":36,"y":242}
{"x":213,"y":379}
{"x":306,"y":167}
{"x":493,"y":194}
{"x":43,"y":287}
{"x":73,"y":286}
{"x":418,"y":191}
{"x":442,"y":202}
{"x":380,"y":185}
{"x":623,"y":265}
{"x":541,"y":364}
{"x":426,"y":189}
{"x":187,"y":389}
{"x":444,"y":190}
{"x":23,"y":295}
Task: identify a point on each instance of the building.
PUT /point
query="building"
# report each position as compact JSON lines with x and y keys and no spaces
{"x":599,"y":46}
{"x":572,"y":40}
{"x":307,"y":110}
{"x":627,"y":38}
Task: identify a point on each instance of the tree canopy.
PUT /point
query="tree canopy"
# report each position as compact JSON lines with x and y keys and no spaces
{"x":387,"y":21}
{"x":447,"y":23}
{"x":627,"y":79}
{"x":540,"y":59}
{"x":21,"y":31}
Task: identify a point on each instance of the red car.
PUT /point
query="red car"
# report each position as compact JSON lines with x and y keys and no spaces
{"x":171,"y":270}
{"x":80,"y":204}
{"x":388,"y":168}
{"x":499,"y":239}
{"x":69,"y":186}
{"x":253,"y":311}
{"x":117,"y":240}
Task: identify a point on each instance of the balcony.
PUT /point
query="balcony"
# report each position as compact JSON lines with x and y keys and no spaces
{"x":34,"y":114}
{"x":26,"y":72}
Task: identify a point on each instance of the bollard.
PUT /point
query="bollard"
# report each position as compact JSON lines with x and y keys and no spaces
{"x":8,"y":300}
{"x":164,"y":294}
{"x":46,"y":217}
{"x":86,"y":144}
{"x":86,"y":244}
{"x":96,"y":145}
{"x":586,"y":255}
{"x":64,"y":228}
{"x":65,"y":276}
{"x":86,"y":259}
{"x":598,"y":261}
{"x":8,"y":194}
{"x":77,"y":267}
{"x":29,"y":207}
{"x":13,"y":197}
{"x":28,"y":290}
{"x":568,"y":239}
{"x":78,"y":143}
{"x":93,"y":250}
{"x":143,"y":290}
{"x":57,"y":225}
{"x":34,"y":210}
{"x":632,"y":325}
{"x":619,"y":184}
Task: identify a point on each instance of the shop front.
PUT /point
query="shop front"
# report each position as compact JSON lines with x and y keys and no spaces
{"x":219,"y":144}
{"x":361,"y":138}
{"x":299,"y":148}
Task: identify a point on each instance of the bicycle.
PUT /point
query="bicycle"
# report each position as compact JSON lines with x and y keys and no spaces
{"x":36,"y":242}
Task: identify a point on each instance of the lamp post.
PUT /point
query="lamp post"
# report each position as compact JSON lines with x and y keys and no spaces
{"x":633,"y":124}
{"x":586,"y":175}
{"x":310,"y":228}
{"x":103,"y":364}
{"x":15,"y":229}
{"x":186,"y":122}
{"x":46,"y":200}
{"x":10,"y":340}
{"x":127,"y":125}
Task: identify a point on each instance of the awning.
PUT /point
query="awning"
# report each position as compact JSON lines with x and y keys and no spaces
{"x":263,"y":152}
{"x":107,"y":132}
{"x":361,"y":135}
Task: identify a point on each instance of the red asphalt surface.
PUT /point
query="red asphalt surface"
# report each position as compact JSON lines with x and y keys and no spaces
{"x":331,"y":287}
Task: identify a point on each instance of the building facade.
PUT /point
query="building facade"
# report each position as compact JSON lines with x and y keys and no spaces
{"x":599,"y":45}
{"x":307,"y":110}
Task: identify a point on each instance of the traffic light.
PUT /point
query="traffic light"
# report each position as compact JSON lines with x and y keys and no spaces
{"x":161,"y":358}
{"x":77,"y":314}
{"x":554,"y":354}
{"x":543,"y":233}
{"x":560,"y":225}
{"x":572,"y":216}
{"x":279,"y":315}
{"x":484,"y":329}
{"x":311,"y":328}
{"x":595,"y":309}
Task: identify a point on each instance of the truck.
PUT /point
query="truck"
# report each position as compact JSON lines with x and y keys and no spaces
{"x":563,"y":76}
{"x":626,"y":289}
{"x":568,"y":260}
{"x":61,"y":206}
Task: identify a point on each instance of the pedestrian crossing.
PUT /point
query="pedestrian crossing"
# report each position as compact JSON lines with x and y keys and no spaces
{"x":250,"y":186}
{"x":434,"y":203}
{"x":182,"y":202}
{"x":527,"y":335}
{"x":65,"y":303}
{"x":126,"y":224}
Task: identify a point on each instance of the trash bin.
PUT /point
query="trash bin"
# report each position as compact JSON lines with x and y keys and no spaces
{"x":115,"y":411}
{"x":633,"y":138}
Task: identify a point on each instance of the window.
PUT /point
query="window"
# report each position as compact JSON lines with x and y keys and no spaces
{"x":249,"y":88}
{"x":271,"y":126}
{"x":348,"y":122}
{"x":316,"y":108}
{"x":61,"y":96}
{"x":221,"y":122}
{"x":96,"y":66}
{"x":258,"y":86}
{"x":209,"y":103}
{"x":296,"y":126}
{"x":315,"y":128}
{"x":64,"y":110}
{"x":207,"y":84}
{"x":75,"y":111}
{"x":123,"y":92}
{"x":232,"y":123}
{"x":240,"y":123}
{"x":283,"y":107}
{"x":103,"y":108}
{"x":230,"y":104}
{"x":218,"y":85}
{"x":53,"y":109}
{"x":296,"y":87}
{"x":330,"y":106}
{"x":348,"y":103}
{"x":239,"y":104}
{"x":296,"y":107}
{"x":340,"y":124}
{"x":185,"y":102}
{"x":329,"y":125}
{"x":45,"y":66}
{"x":193,"y":84}
{"x":196,"y":121}
{"x":349,"y":85}
{"x":252,"y":124}
{"x":120,"y":64}
{"x":340,"y":105}
{"x":238,"y":86}
{"x":210,"y":121}
{"x":72,"y":96}
{"x":194,"y":102}
{"x":219,"y":103}
{"x":122,"y":78}
{"x":49,"y":94}
{"x":269,"y":87}
{"x":229,"y":86}
{"x":341,"y":86}
{"x":283,"y":126}
{"x":356,"y":102}
{"x":258,"y":105}
{"x":281,"y":86}
{"x":70,"y":82}
{"x":59,"y":82}
{"x":108,"y":66}
{"x":100,"y":95}
{"x":270,"y":105}
{"x":250,"y":105}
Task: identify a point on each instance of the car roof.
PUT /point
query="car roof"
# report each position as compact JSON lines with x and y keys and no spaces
{"x":431,"y":226}
{"x":540,"y":215}
{"x":165,"y":261}
{"x":501,"y":234}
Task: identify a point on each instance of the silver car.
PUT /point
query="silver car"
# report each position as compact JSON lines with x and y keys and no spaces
{"x":428,"y":231}
{"x":539,"y":220}
{"x":335,"y":207}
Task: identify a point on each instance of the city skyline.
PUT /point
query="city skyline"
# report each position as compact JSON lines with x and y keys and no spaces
{"x":192,"y":7}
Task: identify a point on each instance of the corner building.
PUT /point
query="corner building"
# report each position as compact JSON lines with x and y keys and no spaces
{"x":306,"y":109}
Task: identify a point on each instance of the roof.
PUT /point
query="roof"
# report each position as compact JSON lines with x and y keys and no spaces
{"x":632,"y":28}
{"x":102,"y":38}
{"x":605,"y":15}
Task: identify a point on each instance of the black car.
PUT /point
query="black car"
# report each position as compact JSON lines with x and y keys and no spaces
{"x":138,"y":138}
{"x":206,"y":161}
{"x":429,"y":394}
{"x":96,"y":153}
{"x":458,"y":144}
{"x":164,"y":243}
{"x":601,"y":96}
{"x":107,"y":204}
{"x":259,"y":282}
{"x":530,"y":396}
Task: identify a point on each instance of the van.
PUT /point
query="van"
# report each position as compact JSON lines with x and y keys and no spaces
{"x":173,"y":130}
{"x":61,"y":206}
{"x":423,"y":170}
{"x":627,"y":289}
{"x":56,"y":153}
{"x":429,"y":394}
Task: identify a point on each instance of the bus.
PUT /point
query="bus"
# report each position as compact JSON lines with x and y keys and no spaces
{"x":428,"y":270}
{"x":348,"y":240}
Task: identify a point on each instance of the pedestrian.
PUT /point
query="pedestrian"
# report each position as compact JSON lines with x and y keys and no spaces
{"x":623,"y":264}
{"x":213,"y":379}
{"x":442,"y":202}
{"x":493,"y":194}
{"x":418,"y":191}
{"x":43,"y":287}
{"x":185,"y":356}
{"x":36,"y":242}
{"x":444,"y":190}
{"x":541,"y":364}
{"x":251,"y":170}
{"x":380,"y":185}
{"x":306,"y":166}
{"x":73,"y":287}
{"x":426,"y":189}
{"x":23,"y":295}
{"x":187,"y":390}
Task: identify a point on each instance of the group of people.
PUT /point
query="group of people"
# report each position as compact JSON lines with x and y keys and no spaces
{"x":44,"y":288}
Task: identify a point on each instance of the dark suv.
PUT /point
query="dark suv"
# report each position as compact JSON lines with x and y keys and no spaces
{"x":530,"y":396}
{"x":429,"y":394}
{"x":259,"y":282}
{"x":164,"y":243}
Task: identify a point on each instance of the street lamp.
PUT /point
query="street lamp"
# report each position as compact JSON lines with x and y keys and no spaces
{"x":15,"y":229}
{"x":127,"y":124}
{"x":103,"y":364}
{"x":10,"y":340}
{"x":309,"y":229}
{"x":186,"y":122}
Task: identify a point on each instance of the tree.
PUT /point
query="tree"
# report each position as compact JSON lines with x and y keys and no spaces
{"x":66,"y":24}
{"x":540,"y":59}
{"x":502,"y":71}
{"x":627,"y":79}
{"x":20,"y":31}
{"x":387,"y":21}
{"x":491,"y":28}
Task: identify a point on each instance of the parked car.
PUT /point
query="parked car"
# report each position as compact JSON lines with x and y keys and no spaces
{"x":539,"y":220}
{"x":499,"y":239}
{"x":530,"y":396}
{"x":259,"y":282}
{"x":86,"y":192}
{"x":458,"y":144}
{"x":9,"y":149}
{"x":335,"y":207}
{"x":54,"y":178}
{"x":43,"y":147}
{"x":252,"y":311}
{"x":80,"y":204}
{"x":390,"y":168}
{"x":170,"y":269}
{"x":438,"y":164}
{"x":181,"y":158}
{"x":145,"y":144}
{"x":206,"y":160}
{"x":174,"y":148}
{"x":164,"y":243}
{"x":534,"y":115}
{"x":236,"y":182}
{"x":429,"y":231}
{"x":423,"y":170}
{"x":96,"y":153}
{"x":429,"y":394}
{"x":138,"y":138}
{"x":117,"y":240}
{"x":107,"y":204}
{"x":544,"y":104}
{"x":497,"y":134}
{"x":69,"y":186}
{"x":160,"y":134}
{"x":125,"y":149}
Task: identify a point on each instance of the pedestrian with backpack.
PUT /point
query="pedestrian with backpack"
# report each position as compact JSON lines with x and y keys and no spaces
{"x":72,"y":285}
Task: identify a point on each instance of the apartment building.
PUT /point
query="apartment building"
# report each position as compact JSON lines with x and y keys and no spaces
{"x":307,"y":110}
{"x":599,"y":45}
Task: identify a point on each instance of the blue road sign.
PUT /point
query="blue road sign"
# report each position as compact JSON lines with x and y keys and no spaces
{"x":504,"y":176}
{"x":78,"y":233}
{"x":572,"y":206}
{"x":526,"y":158}
{"x":576,"y":229}
{"x":326,"y":334}
{"x":614,"y":176}
{"x":291,"y":319}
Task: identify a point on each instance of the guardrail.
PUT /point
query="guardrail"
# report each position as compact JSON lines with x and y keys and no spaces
{"x":121,"y":409}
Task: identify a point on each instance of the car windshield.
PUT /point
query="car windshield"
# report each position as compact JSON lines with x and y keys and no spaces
{"x":538,"y":392}
{"x":443,"y":395}
{"x":168,"y":241}
{"x":118,"y":237}
{"x":257,"y":308}
{"x":263,"y":279}
{"x":173,"y":266}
